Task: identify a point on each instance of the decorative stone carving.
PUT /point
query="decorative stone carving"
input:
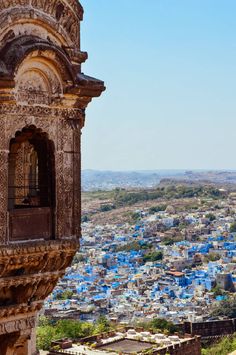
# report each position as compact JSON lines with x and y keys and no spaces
{"x":3,"y":195}
{"x":65,"y":13}
{"x":70,"y":114}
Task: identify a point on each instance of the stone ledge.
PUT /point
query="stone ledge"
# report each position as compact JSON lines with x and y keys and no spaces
{"x":24,"y":322}
{"x":13,"y":249}
{"x":32,"y":262}
{"x":30,"y":279}
{"x":9,"y":311}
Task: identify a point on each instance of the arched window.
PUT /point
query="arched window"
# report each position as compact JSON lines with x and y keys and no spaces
{"x":31,"y":185}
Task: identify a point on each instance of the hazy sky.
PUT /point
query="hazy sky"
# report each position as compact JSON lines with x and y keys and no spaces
{"x":170,"y":71}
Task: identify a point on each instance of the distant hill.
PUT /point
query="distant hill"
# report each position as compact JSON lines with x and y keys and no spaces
{"x":108,"y":180}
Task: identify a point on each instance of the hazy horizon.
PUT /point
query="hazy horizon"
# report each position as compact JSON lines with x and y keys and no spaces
{"x":162,"y":170}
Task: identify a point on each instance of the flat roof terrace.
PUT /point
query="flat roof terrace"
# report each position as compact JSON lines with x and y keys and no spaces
{"x":127,"y":346}
{"x":132,"y":341}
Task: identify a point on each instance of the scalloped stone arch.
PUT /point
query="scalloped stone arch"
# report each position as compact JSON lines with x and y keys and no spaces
{"x":34,"y":27}
{"x":51,"y":59}
{"x":45,"y":125}
{"x":37,"y":81}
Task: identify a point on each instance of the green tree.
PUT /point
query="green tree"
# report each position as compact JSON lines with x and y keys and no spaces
{"x":102,"y":325}
{"x":134,"y":246}
{"x":217,"y":291}
{"x":210,"y":216}
{"x":158,"y":208}
{"x":224,"y":347}
{"x":79,"y":257}
{"x":154,"y":256}
{"x":226,"y":308}
{"x":159,"y":324}
{"x":212,"y":257}
{"x":65,"y":295}
{"x":135,"y":216}
{"x":43,"y":321}
{"x":170,"y":241}
{"x":106,"y":208}
{"x":45,"y":335}
{"x":72,"y":329}
{"x":85,"y":218}
{"x":162,"y":324}
{"x":65,"y":328}
{"x":233,"y":227}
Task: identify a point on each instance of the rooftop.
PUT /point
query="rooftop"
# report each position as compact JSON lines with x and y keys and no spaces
{"x":126,"y":341}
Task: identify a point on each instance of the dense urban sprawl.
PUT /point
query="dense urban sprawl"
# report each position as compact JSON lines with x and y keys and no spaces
{"x":170,"y":263}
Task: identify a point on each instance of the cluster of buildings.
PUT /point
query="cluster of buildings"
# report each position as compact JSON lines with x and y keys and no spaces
{"x":169,"y":265}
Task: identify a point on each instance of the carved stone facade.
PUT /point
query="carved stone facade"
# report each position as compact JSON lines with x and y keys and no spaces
{"x":43,"y":97}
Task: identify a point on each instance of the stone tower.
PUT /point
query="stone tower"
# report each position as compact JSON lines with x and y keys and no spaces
{"x":43,"y":96}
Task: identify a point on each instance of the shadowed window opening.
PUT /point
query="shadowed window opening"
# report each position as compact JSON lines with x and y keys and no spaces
{"x":31,"y":183}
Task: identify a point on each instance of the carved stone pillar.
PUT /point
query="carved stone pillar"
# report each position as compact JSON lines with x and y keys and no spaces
{"x":60,"y":207}
{"x":77,"y":181}
{"x":11,"y":180}
{"x":3,"y":195}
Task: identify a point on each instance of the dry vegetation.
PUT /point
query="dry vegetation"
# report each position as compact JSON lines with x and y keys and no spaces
{"x":118,"y":206}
